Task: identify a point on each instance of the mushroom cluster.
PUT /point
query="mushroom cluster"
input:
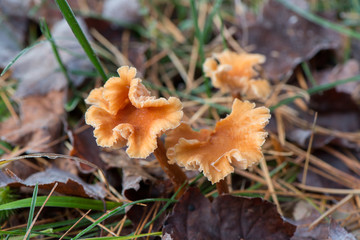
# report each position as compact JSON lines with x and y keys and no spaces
{"x":237,"y":73}
{"x":124,"y":113}
{"x":235,"y":142}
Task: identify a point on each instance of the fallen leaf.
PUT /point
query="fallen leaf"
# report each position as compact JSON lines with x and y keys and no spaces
{"x":50,"y":11}
{"x":13,"y":28}
{"x":227,"y":217}
{"x":40,"y":122}
{"x":285,"y":38}
{"x":323,"y":230}
{"x":338,"y":232}
{"x":38,"y":71}
{"x":122,"y":10}
{"x":349,"y":69}
{"x":17,"y":8}
{"x":133,"y":172}
{"x":85,"y":147}
{"x":67,"y":183}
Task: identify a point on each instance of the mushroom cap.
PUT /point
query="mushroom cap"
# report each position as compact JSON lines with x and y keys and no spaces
{"x":235,"y":142}
{"x":124,"y":113}
{"x":236,"y":72}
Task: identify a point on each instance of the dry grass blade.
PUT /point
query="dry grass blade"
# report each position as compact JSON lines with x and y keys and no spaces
{"x":121,"y":59}
{"x":352,"y":164}
{"x":69,"y":230}
{"x":9,"y":106}
{"x":331,"y":210}
{"x":270,"y":184}
{"x":99,"y":224}
{"x":303,"y":181}
{"x":342,"y":177}
{"x":328,"y":190}
{"x":121,"y":225}
{"x":40,"y":210}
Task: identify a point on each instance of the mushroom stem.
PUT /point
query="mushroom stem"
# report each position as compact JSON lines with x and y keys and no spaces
{"x":236,"y":95}
{"x":174,"y":172}
{"x":222,"y":187}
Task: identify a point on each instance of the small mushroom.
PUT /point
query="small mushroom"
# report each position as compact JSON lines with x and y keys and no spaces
{"x":124,"y":113}
{"x":236,"y":73}
{"x":235,"y":142}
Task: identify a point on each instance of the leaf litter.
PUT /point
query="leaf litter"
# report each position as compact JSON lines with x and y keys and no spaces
{"x":227,"y":217}
{"x":284,"y":37}
{"x":161,"y":45}
{"x":34,"y":80}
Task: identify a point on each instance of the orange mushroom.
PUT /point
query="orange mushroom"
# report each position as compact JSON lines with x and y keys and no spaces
{"x":236,"y":73}
{"x":235,"y":142}
{"x":124,"y":113}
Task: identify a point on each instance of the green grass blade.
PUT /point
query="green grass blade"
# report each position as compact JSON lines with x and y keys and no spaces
{"x":209,"y":20}
{"x":320,"y":21}
{"x":118,"y":209}
{"x":22,"y":52}
{"x":198,"y":33}
{"x":308,"y":73}
{"x":200,"y":37}
{"x":128,"y":237}
{"x":61,"y":201}
{"x":79,"y":34}
{"x":46,"y":32}
{"x":32,"y":208}
{"x":223,"y":39}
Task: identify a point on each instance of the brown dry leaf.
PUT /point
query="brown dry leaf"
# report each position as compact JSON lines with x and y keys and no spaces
{"x":227,"y":217}
{"x":50,"y":11}
{"x":349,"y":69}
{"x":133,"y":172}
{"x":17,"y":8}
{"x":85,"y":147}
{"x":12,"y":28}
{"x":285,"y":38}
{"x":338,"y":232}
{"x":38,"y":71}
{"x":119,"y":10}
{"x":332,"y":231}
{"x":68,"y":183}
{"x":122,"y":10}
{"x":40,"y":122}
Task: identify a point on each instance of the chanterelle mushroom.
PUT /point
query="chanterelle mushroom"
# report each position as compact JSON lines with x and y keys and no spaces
{"x":235,"y":141}
{"x":235,"y":73}
{"x":124,"y":113}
